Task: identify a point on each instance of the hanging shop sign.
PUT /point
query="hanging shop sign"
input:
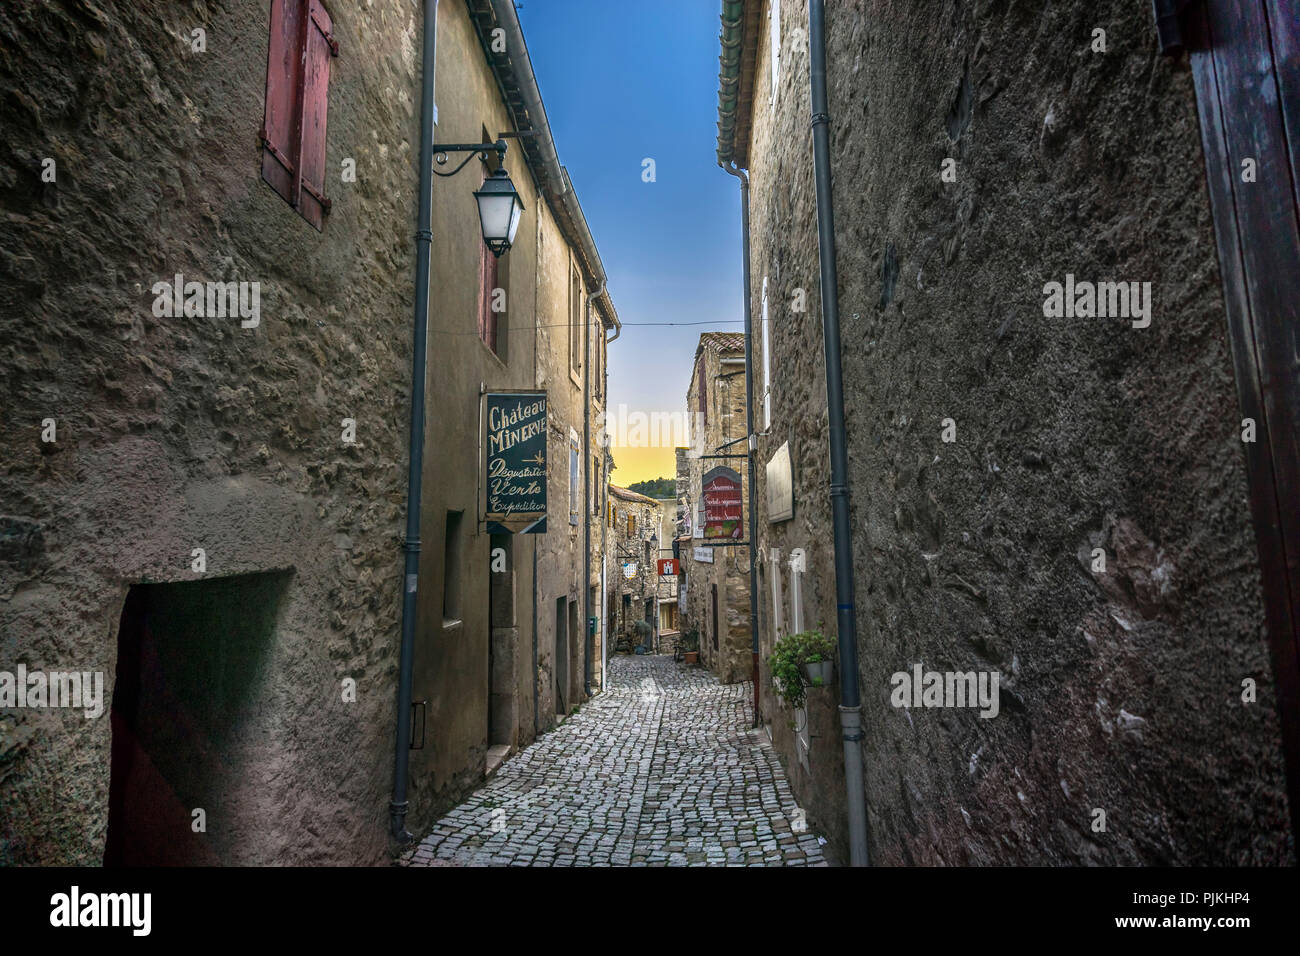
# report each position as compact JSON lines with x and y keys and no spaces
{"x":629,"y":569}
{"x":515,"y":442}
{"x":668,"y":566}
{"x":722,"y":504}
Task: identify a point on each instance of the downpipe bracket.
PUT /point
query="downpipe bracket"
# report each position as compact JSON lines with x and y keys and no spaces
{"x":397,"y":815}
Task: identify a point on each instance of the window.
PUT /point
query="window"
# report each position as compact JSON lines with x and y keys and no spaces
{"x":631,"y":524}
{"x":487,"y":295}
{"x":595,"y":483}
{"x":767,"y":363}
{"x":774,"y":16}
{"x":451,"y":561}
{"x":704,"y":391}
{"x":575,"y":320}
{"x":297,"y":97}
{"x":494,"y":282}
{"x":575,"y":486}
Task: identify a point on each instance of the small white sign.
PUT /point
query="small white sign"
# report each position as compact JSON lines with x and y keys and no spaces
{"x":780,"y":486}
{"x":704,"y":554}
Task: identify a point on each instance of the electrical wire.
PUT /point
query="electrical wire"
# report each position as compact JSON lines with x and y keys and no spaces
{"x":565,"y":325}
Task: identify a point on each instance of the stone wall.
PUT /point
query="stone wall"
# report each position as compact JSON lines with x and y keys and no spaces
{"x":1121,"y":691}
{"x":183,"y":433}
{"x":634,"y":547}
{"x":731,"y":659}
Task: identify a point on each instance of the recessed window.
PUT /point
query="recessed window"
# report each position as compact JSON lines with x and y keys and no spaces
{"x":494,"y":282}
{"x":451,"y":564}
{"x":703,"y":389}
{"x":575,"y":319}
{"x":575,"y":487}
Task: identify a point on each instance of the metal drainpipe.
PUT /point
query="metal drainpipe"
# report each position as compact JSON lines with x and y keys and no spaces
{"x":537,"y":705}
{"x":850,"y":699}
{"x":423,"y":240}
{"x":586,"y":490}
{"x":751,"y":442}
{"x":537,"y":285}
{"x":604,"y":523}
{"x":604,"y":568}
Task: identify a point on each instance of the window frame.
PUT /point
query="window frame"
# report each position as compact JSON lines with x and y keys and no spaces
{"x":575,"y":479}
{"x":767,"y":361}
{"x":576,"y":325}
{"x":494,"y":273}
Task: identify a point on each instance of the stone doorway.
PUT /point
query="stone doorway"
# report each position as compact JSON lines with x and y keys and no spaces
{"x":190,"y":725}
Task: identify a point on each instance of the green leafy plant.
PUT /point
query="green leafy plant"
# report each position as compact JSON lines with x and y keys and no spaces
{"x":643,"y":630}
{"x":691,"y":640}
{"x":787,"y":659}
{"x":817,"y":647}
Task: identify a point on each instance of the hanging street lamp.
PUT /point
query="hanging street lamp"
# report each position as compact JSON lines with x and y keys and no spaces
{"x":499,"y":211}
{"x":499,"y":206}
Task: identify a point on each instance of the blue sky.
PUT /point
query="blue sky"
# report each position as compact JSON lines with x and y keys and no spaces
{"x":623,"y":81}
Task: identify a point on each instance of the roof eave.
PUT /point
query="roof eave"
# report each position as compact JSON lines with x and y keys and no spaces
{"x":739,"y":53}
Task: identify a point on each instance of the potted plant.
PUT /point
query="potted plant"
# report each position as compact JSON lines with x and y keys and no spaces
{"x":799,"y":661}
{"x":691,"y":643}
{"x":817,"y":652}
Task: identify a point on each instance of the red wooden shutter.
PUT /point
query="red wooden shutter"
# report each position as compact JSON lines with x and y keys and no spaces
{"x":281,"y":92}
{"x":297,"y":99}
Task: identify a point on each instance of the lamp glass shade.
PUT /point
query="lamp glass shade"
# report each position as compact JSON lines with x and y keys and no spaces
{"x":499,"y":211}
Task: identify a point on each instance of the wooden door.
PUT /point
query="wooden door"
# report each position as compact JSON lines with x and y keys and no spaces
{"x":1245,"y":59}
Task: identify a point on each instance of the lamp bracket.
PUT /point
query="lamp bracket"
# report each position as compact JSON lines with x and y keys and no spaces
{"x":440,"y":151}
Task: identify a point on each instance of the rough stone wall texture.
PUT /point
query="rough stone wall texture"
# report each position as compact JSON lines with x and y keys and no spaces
{"x":666,"y":587}
{"x":732,"y":658}
{"x":1121,"y":691}
{"x":560,"y":570}
{"x":193,"y":432}
{"x":626,"y":547}
{"x":181,"y":433}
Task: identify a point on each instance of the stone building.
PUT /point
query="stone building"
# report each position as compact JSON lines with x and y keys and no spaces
{"x":1064,"y":502}
{"x":634,"y":541}
{"x":204,"y":495}
{"x":667,"y":584}
{"x":717,"y":574}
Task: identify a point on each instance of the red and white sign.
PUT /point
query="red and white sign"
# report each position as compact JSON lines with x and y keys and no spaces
{"x":722,"y":507}
{"x":668,"y":566}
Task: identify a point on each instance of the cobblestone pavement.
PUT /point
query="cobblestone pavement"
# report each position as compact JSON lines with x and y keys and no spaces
{"x":661,"y":770}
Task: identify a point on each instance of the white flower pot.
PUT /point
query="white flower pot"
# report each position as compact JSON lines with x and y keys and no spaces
{"x":819,"y":674}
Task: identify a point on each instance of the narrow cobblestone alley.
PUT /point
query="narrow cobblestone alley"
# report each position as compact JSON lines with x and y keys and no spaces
{"x":662,"y":770}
